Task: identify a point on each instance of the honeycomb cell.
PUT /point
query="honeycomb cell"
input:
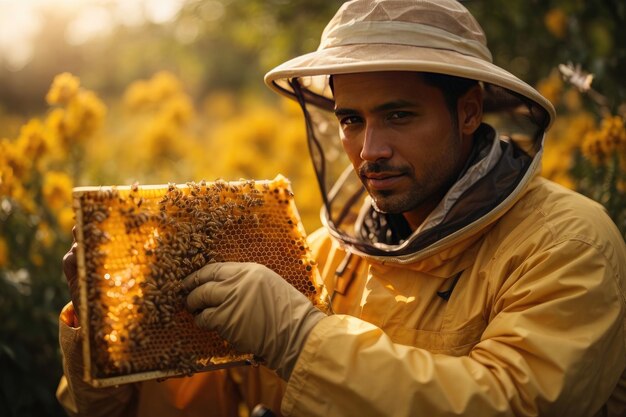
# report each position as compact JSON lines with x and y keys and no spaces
{"x":136,"y":244}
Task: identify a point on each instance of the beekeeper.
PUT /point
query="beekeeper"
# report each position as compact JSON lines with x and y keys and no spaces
{"x":461,"y":281}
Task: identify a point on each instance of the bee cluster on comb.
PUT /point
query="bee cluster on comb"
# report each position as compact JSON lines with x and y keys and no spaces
{"x":137,"y":244}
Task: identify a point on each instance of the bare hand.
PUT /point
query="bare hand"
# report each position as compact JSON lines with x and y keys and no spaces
{"x":70,"y":269}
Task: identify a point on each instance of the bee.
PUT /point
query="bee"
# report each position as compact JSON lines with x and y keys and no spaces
{"x":126,"y":367}
{"x":96,"y":215}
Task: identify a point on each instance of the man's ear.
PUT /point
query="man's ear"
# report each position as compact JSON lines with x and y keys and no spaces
{"x":470,"y":110}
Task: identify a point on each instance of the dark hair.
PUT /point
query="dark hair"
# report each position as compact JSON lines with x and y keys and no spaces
{"x":451,"y":87}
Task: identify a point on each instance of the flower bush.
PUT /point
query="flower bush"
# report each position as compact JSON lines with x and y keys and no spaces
{"x":586,"y":148}
{"x":37,"y":172}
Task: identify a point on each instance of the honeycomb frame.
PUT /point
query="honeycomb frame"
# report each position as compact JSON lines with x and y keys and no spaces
{"x":137,"y":243}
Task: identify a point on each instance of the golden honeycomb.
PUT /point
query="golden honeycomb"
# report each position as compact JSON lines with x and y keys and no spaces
{"x":136,"y":244}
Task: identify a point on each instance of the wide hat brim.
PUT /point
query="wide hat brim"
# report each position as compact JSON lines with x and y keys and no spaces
{"x":358,"y":58}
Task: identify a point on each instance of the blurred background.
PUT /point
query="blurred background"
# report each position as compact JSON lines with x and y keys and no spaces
{"x":101,"y":92}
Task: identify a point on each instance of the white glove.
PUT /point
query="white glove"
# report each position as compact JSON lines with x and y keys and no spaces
{"x":254,"y":309}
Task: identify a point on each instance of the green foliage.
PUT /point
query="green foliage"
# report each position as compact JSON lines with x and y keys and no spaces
{"x":31,"y":296}
{"x":603,"y":183}
{"x":531,"y":37}
{"x":35,"y":224}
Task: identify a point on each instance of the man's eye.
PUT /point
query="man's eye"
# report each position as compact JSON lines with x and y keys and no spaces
{"x":349,"y":120}
{"x":398,"y":115}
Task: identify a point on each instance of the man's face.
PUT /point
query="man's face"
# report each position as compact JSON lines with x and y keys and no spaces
{"x":400,"y":138}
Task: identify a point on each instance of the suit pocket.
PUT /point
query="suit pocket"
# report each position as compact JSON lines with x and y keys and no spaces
{"x":449,"y":342}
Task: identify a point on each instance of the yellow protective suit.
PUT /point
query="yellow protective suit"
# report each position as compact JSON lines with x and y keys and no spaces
{"x":524,"y":316}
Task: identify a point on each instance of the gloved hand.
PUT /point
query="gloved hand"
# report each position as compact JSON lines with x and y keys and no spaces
{"x":253,"y":308}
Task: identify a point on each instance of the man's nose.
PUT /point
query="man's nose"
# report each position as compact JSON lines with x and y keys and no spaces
{"x":375,"y":145}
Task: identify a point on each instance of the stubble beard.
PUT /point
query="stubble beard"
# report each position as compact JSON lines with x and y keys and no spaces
{"x":417,"y":195}
{"x":428,"y":190}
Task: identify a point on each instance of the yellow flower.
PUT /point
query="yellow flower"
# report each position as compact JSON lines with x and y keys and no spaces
{"x":569,"y":130}
{"x":33,"y":143}
{"x":572,"y":100}
{"x":155,"y":93}
{"x":556,"y":163}
{"x":614,"y":132}
{"x":24,"y":198}
{"x":152,"y":93}
{"x":260,"y":142}
{"x":4,"y":253}
{"x":64,"y":88}
{"x":163,"y":144}
{"x":577,"y":127}
{"x":137,"y":95}
{"x":45,"y":235}
{"x":592,"y":147}
{"x":11,"y":187}
{"x":81,"y":114}
{"x":556,"y":22}
{"x":609,"y":138}
{"x":55,"y":122}
{"x":55,"y":126}
{"x":562,"y":140}
{"x":15,"y":171}
{"x":551,"y":87}
{"x":164,"y":85}
{"x":36,"y":259}
{"x":291,"y":108}
{"x":66,"y":219}
{"x":57,"y":190}
{"x":6,"y":180}
{"x":220,"y":105}
{"x":7,"y":177}
{"x":178,"y":110}
{"x":84,"y":115}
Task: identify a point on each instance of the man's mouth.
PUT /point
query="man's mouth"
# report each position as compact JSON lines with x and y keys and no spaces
{"x":382,"y":180}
